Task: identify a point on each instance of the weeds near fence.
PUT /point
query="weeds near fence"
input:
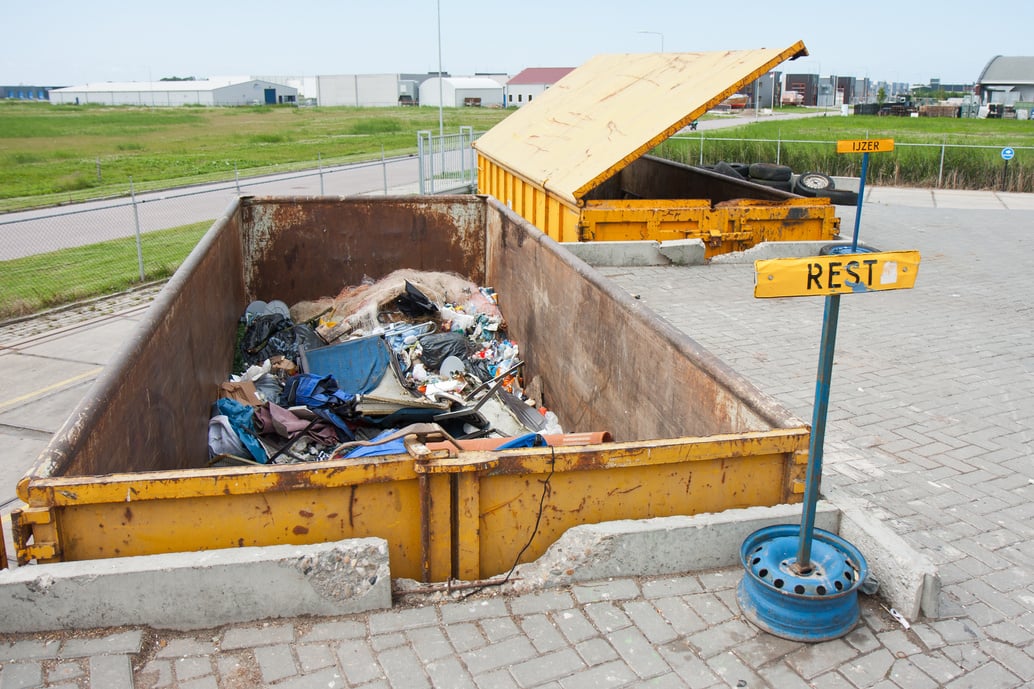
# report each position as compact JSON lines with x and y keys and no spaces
{"x":928,"y":152}
{"x":34,"y":283}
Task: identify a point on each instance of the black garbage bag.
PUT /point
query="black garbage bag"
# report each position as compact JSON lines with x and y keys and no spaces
{"x":440,"y":346}
{"x":271,"y":334}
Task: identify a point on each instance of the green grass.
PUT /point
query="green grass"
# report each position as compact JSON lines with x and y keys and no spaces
{"x":971,"y":148}
{"x":52,"y":154}
{"x":34,"y":283}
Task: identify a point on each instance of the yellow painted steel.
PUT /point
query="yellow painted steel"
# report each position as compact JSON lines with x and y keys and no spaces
{"x":462,"y":517}
{"x":614,"y":108}
{"x":865,"y":146}
{"x":816,"y":276}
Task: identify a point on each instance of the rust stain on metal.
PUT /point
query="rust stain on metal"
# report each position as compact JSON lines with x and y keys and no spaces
{"x":300,"y":530}
{"x":306,"y":514}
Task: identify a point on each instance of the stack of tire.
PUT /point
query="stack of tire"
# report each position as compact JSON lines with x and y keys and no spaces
{"x":810,"y":184}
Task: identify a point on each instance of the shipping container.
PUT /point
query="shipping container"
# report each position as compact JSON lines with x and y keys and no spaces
{"x":574,"y":162}
{"x":128,"y":472}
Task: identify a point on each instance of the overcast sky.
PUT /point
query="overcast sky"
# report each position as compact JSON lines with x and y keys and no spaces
{"x":61,"y":42}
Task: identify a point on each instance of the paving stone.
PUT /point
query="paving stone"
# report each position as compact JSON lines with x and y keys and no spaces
{"x":682,"y":618}
{"x":780,"y":676}
{"x":596,"y":651}
{"x":764,"y":648}
{"x":898,"y":643}
{"x":332,"y":631}
{"x":868,"y":669}
{"x":665,"y":588}
{"x":401,"y":620}
{"x":688,"y":665}
{"x":544,"y":636}
{"x":733,"y":670}
{"x":383,"y":642}
{"x":111,"y":672}
{"x":315,"y":656}
{"x":547,"y":667}
{"x":709,"y":607}
{"x":715,"y":640}
{"x":610,"y":590}
{"x":814,"y":659}
{"x":607,"y":617}
{"x":449,"y":672}
{"x":465,"y":637}
{"x":358,"y":661}
{"x":403,"y":669}
{"x":200,"y":683}
{"x":575,"y":626}
{"x":543,"y":601}
{"x":499,"y":628}
{"x":324,"y":679}
{"x":429,"y":643}
{"x":615,"y":674}
{"x":496,"y":679}
{"x":474,"y":610}
{"x":251,"y":637}
{"x":275,"y":662}
{"x":65,"y":671}
{"x":178,"y":648}
{"x":192,"y":666}
{"x":989,"y":676}
{"x":905,"y":674}
{"x":502,"y":654}
{"x":29,"y":649}
{"x":638,"y":653}
{"x":21,"y":675}
{"x":649,"y":621}
{"x":122,"y":643}
{"x":941,"y":669}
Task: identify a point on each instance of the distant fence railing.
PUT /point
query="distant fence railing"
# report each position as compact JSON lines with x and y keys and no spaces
{"x":447,"y":161}
{"x":939,"y":165}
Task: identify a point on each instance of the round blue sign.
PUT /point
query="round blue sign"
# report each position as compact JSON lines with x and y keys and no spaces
{"x":1007,"y":153}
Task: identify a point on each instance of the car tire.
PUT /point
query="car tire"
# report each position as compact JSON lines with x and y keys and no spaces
{"x":724,"y":168}
{"x":813,"y":184}
{"x":781,"y":185}
{"x":770,"y":172}
{"x":841,"y":197}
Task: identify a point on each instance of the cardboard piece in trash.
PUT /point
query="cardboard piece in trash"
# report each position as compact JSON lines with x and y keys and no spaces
{"x":241,"y":391}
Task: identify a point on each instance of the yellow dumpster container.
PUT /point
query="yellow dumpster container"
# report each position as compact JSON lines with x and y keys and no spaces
{"x":128,"y":472}
{"x":573,"y":162}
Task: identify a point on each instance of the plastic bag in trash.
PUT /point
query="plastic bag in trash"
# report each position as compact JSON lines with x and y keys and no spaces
{"x":440,"y":346}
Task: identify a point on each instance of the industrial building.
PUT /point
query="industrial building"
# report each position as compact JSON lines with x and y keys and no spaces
{"x":215,"y":92}
{"x":532,"y":82}
{"x":457,"y":92}
{"x":1007,"y":81}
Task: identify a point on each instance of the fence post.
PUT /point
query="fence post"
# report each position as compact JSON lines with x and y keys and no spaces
{"x":384,"y":170}
{"x":237,"y":179}
{"x":319,"y":159}
{"x":98,"y":169}
{"x":701,"y":149}
{"x":420,"y":158}
{"x":940,"y":172}
{"x":779,"y":146}
{"x":136,"y":222}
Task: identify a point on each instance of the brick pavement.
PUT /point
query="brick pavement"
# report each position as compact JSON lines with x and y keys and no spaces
{"x":930,"y":422}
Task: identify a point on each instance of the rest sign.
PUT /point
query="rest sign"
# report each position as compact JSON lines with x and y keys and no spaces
{"x":835,"y":274}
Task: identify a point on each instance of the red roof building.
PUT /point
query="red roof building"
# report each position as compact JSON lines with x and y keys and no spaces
{"x":532,"y":82}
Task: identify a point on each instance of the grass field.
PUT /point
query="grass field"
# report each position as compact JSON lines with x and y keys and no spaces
{"x":53,"y":154}
{"x":971,"y":149}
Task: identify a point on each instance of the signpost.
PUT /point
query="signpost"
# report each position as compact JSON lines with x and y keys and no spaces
{"x":813,"y":596}
{"x":1007,"y":154}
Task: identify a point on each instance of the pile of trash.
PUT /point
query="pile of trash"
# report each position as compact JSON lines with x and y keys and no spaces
{"x":342,"y":376}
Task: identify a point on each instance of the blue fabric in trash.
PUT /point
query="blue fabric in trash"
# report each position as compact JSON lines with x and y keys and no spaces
{"x":392,"y":447}
{"x":526,"y":440}
{"x":242,"y":420}
{"x":357,"y":365}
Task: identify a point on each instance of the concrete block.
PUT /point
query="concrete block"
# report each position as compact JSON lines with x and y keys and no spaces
{"x":766,"y":250}
{"x":651,"y":547}
{"x":908,"y":580}
{"x":198,"y":590}
{"x":633,"y":253}
{"x":684,"y":252}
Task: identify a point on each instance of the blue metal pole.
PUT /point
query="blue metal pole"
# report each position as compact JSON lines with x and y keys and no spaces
{"x":861,"y":195}
{"x":818,"y":430}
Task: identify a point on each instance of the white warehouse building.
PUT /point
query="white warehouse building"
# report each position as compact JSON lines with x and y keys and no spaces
{"x":459,"y":91}
{"x":215,"y":92}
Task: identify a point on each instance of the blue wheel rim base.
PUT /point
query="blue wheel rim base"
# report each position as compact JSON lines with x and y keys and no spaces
{"x":818,"y":606}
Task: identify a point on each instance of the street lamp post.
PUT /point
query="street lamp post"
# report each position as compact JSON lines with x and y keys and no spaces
{"x":656,"y":33}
